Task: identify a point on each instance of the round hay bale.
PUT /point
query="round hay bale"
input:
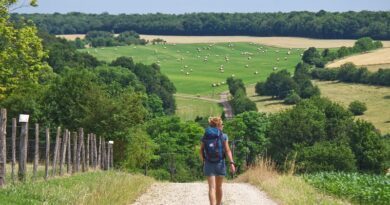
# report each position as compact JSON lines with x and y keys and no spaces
{"x":247,"y":66}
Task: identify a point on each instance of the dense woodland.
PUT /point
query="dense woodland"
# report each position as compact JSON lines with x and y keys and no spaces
{"x":321,"y":24}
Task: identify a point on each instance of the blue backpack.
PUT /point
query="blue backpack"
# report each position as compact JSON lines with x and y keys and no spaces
{"x":213,"y":146}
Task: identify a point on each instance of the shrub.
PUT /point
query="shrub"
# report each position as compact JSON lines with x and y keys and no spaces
{"x":357,"y":107}
{"x":326,"y":156}
{"x":292,"y":98}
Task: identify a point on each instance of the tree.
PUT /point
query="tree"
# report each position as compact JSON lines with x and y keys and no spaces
{"x":280,"y":84}
{"x":326,"y":156}
{"x":140,"y":149}
{"x":21,"y":52}
{"x":292,"y":98}
{"x":248,"y":130}
{"x":311,"y":56}
{"x":357,"y":107}
{"x":369,"y":147}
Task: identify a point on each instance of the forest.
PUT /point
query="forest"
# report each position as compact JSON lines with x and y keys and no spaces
{"x":322,"y":24}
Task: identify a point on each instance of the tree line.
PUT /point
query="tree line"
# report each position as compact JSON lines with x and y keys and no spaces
{"x":313,"y":57}
{"x":320,"y":24}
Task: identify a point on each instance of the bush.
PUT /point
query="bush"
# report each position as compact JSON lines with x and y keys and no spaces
{"x":357,"y":107}
{"x":292,"y":98}
{"x":259,"y":89}
{"x":326,"y":156}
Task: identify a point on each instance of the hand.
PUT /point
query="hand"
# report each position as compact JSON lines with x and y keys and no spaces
{"x":232,"y":168}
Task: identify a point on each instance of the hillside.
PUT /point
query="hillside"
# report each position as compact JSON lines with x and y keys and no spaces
{"x":375,"y":97}
{"x":373,"y":60}
{"x":194,"y":68}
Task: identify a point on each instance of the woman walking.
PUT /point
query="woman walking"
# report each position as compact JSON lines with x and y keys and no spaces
{"x":213,"y":151}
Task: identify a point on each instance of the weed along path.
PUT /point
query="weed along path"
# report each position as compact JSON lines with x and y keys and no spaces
{"x":197,"y":194}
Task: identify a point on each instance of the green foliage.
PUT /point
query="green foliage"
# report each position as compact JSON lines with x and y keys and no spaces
{"x":235,"y":85}
{"x":358,"y":188}
{"x":240,"y":102}
{"x":63,"y":53}
{"x":21,"y":53}
{"x":366,"y":44}
{"x":279,"y":84}
{"x":140,"y":149}
{"x":107,"y":39}
{"x":154,"y":81}
{"x":326,"y":156}
{"x":350,"y":73}
{"x":292,"y":98}
{"x":312,"y":56}
{"x":27,"y":98}
{"x":357,"y":107}
{"x":335,"y":25}
{"x":304,"y":124}
{"x":178,"y":148}
{"x":248,"y":131}
{"x":371,"y":149}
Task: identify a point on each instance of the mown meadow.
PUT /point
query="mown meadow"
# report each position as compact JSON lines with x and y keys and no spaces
{"x":194,"y":68}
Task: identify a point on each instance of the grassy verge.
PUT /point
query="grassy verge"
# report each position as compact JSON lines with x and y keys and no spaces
{"x":285,"y":189}
{"x":84,"y":188}
{"x":358,"y":188}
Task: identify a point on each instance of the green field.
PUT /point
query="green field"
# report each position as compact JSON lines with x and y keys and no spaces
{"x":188,"y":108}
{"x":176,"y":60}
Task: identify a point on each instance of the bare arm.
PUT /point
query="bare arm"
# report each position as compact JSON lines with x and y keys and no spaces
{"x":228,"y":151}
{"x":230,"y":156}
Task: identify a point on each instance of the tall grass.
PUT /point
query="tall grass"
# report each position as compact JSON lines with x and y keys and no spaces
{"x":95,"y":188}
{"x":284,"y":188}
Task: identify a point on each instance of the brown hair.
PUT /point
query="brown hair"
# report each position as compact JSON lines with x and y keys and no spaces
{"x":215,"y":121}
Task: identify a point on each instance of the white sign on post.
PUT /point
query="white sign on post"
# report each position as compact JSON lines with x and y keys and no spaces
{"x":23,"y":118}
{"x":110,"y":142}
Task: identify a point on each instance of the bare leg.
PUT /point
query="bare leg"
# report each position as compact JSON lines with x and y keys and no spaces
{"x":211,"y":181}
{"x":218,"y":184}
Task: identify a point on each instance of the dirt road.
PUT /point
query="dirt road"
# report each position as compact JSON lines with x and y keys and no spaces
{"x":226,"y":105}
{"x":197,"y":194}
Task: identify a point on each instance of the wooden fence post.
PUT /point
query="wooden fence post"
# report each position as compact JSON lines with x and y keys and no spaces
{"x":79,"y":151}
{"x":47,"y":153}
{"x":82,"y":150}
{"x":56,"y":147}
{"x":74,"y":167}
{"x":112,"y":156}
{"x":108,"y":155}
{"x":68,"y":167}
{"x":23,"y":151}
{"x":104,"y":154}
{"x":36,"y":151}
{"x":63,"y":149}
{"x":94,"y":152}
{"x":3,"y":153}
{"x":13,"y":147}
{"x":99,"y":160}
{"x":87,"y":151}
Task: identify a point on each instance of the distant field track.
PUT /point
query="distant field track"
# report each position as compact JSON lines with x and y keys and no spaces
{"x":373,"y":60}
{"x":283,"y":42}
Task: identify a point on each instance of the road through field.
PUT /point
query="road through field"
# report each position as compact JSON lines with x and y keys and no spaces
{"x":197,"y":194}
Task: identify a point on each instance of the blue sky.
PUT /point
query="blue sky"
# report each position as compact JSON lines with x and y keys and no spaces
{"x":186,"y":6}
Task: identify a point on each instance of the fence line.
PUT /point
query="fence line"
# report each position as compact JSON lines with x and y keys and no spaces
{"x":70,"y":149}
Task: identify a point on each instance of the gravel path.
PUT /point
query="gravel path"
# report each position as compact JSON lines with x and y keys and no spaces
{"x":226,"y":105}
{"x":197,"y":194}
